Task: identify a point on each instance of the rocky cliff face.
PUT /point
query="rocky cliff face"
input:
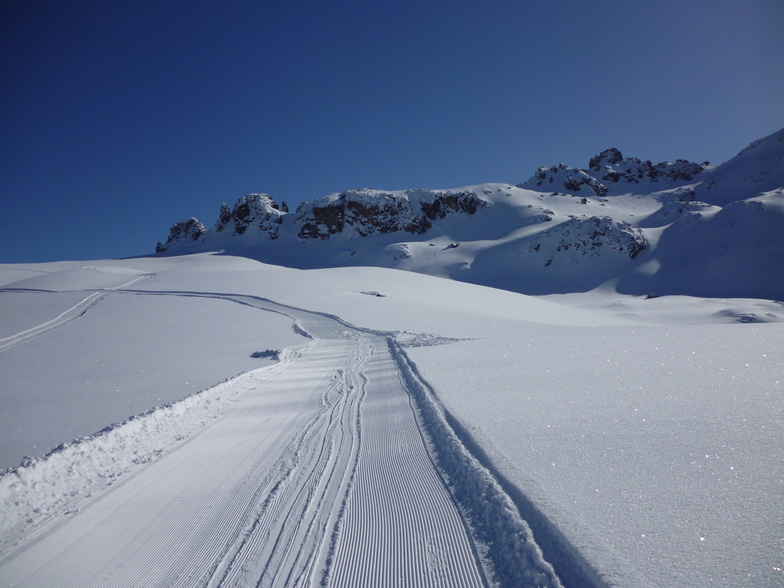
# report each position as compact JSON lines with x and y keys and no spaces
{"x":182,"y":232}
{"x":363,"y":212}
{"x":609,"y":168}
{"x":356,"y":213}
{"x":257,"y":211}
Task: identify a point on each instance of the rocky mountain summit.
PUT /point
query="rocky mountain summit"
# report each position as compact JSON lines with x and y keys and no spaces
{"x":258,"y":212}
{"x":668,"y":228}
{"x":356,"y":213}
{"x":610,"y":168}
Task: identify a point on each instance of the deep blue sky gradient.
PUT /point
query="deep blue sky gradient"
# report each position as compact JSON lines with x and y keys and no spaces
{"x":121,"y":118}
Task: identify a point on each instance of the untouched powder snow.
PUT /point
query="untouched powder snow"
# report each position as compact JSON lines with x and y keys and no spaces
{"x":119,"y":356}
{"x":638,"y":454}
{"x":660,"y":444}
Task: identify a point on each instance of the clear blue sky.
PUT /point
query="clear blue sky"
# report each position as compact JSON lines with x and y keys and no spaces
{"x":121,"y":118}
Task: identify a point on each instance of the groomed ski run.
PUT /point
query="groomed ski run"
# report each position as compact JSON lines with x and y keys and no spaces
{"x":313,"y":472}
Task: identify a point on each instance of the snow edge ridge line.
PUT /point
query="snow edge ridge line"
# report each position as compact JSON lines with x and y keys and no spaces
{"x":508,"y":523}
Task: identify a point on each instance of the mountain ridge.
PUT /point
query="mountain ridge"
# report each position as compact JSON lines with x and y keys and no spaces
{"x":650,"y":229}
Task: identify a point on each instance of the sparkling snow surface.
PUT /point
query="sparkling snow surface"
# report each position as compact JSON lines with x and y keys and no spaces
{"x":647,"y":433}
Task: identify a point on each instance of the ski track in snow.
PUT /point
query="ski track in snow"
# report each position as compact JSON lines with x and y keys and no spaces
{"x":78,"y":310}
{"x":318,"y":475}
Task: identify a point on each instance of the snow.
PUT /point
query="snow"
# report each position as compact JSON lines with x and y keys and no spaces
{"x":109,"y":382}
{"x":639,"y":438}
{"x":298,"y":456}
{"x":747,"y":174}
{"x":675,"y":228}
{"x":210,"y":420}
{"x":662,"y":444}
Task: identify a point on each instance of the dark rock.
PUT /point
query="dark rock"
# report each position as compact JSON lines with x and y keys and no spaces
{"x":363,"y":212}
{"x":590,"y":236}
{"x":607,"y":157}
{"x":224,"y":217}
{"x":187,"y":230}
{"x":257,"y":210}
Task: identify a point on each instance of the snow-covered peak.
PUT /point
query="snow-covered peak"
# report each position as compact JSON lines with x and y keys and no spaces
{"x":667,"y":228}
{"x":757,"y":168}
{"x":561,"y":177}
{"x":610,"y":172}
{"x":182,"y":232}
{"x":608,"y":157}
{"x":253,"y":210}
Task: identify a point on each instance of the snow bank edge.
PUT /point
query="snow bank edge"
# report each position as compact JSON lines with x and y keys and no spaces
{"x":39,"y":490}
{"x":506,"y":522}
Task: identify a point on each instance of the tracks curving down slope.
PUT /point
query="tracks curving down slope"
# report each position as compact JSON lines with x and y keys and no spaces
{"x":76,"y":311}
{"x":319,"y":475}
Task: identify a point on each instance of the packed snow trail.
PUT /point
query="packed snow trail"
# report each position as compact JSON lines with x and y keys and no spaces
{"x":319,"y":474}
{"x":65,"y":317}
{"x":76,"y":311}
{"x":416,"y":527}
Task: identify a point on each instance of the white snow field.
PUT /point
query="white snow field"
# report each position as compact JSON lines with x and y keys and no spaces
{"x":393,"y":429}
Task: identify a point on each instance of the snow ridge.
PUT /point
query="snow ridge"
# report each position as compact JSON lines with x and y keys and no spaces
{"x":656,"y":216}
{"x":40,"y":489}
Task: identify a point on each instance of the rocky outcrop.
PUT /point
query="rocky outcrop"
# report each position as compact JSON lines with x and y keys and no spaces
{"x":224,"y":218}
{"x":611,"y":167}
{"x":257,"y":211}
{"x":183,"y":232}
{"x":364,"y":212}
{"x":590,"y":236}
{"x":356,"y":213}
{"x":571,"y":179}
{"x":439,"y":204}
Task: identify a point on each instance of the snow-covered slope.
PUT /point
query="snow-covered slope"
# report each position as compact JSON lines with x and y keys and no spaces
{"x":667,"y":228}
{"x":756,"y":169}
{"x":208,"y":419}
{"x":640,"y":455}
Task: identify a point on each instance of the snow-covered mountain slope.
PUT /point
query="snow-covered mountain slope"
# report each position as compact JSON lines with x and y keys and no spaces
{"x":640,"y":455}
{"x":756,"y":169}
{"x":646,"y":229}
